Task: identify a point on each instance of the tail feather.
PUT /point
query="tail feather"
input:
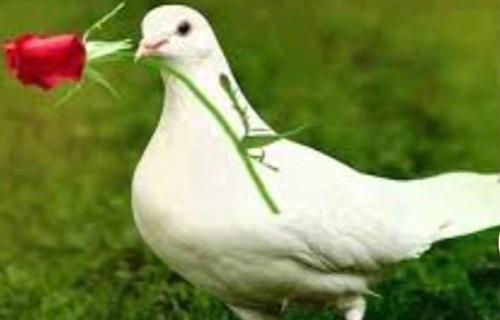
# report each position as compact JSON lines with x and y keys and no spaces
{"x":457,"y":203}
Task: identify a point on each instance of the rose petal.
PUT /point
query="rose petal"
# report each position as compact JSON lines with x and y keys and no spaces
{"x":11,"y":56}
{"x":47,"y":62}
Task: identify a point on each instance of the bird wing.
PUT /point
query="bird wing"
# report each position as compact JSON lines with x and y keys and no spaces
{"x":346,"y":219}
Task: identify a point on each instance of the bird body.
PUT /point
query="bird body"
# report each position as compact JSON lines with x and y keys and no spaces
{"x":196,"y":207}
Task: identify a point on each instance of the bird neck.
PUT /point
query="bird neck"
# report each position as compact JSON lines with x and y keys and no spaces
{"x":192,"y":153}
{"x":183,"y":107}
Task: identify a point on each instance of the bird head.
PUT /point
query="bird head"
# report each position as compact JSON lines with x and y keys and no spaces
{"x":177,"y":33}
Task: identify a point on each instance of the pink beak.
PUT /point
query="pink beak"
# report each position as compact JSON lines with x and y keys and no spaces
{"x":149,"y":48}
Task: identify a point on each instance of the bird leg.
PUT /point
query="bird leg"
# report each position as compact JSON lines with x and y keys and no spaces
{"x":253,"y":314}
{"x":354,"y":307}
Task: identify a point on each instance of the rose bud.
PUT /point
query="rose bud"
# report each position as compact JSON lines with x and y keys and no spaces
{"x":46,"y":62}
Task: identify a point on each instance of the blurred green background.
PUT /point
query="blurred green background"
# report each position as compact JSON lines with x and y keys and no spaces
{"x":395,"y":88}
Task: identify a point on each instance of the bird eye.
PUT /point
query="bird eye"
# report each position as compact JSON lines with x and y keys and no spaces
{"x":184,"y":28}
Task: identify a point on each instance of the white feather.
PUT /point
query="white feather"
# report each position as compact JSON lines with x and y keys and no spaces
{"x":197,"y":208}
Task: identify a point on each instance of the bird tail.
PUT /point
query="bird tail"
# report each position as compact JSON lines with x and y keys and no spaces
{"x":459,"y":203}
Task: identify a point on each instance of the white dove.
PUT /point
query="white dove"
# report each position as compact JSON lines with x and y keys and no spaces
{"x":197,"y":208}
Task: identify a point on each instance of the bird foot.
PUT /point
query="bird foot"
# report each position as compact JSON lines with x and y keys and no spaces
{"x":354,"y":307}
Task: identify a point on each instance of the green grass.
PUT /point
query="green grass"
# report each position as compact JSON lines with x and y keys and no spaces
{"x":400,"y":89}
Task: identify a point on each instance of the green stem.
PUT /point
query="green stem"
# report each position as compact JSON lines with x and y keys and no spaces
{"x":103,"y":20}
{"x":219,"y":117}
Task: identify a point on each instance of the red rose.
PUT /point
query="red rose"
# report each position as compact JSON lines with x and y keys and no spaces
{"x":46,"y":62}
